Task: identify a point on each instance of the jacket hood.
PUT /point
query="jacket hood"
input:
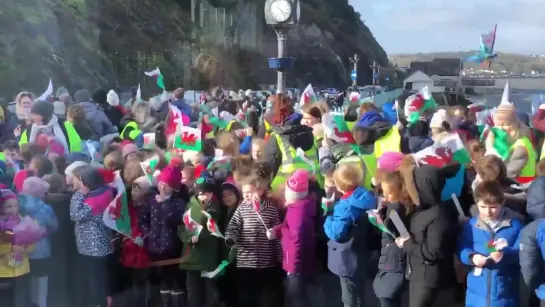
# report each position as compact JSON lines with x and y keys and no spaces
{"x":299,"y":135}
{"x":380,"y":129}
{"x":424,"y":184}
{"x":418,"y":143}
{"x":535,"y":203}
{"x":30,"y":203}
{"x":126,"y":119}
{"x":90,"y":109}
{"x":361,"y":198}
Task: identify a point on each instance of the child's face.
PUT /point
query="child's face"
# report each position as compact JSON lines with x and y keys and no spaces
{"x":205,"y":197}
{"x":309,"y":120}
{"x":229,"y":198}
{"x":137,"y":193}
{"x":164,"y":189}
{"x":248,"y":190}
{"x":187,"y":178}
{"x":131,"y":155}
{"x":12,"y":154}
{"x":489,"y":211}
{"x":330,"y":188}
{"x":10,"y":207}
{"x":257,"y":152}
{"x":390,"y":191}
{"x":52,"y":156}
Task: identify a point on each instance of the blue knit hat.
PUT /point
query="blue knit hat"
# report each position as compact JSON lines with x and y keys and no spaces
{"x":369,"y":118}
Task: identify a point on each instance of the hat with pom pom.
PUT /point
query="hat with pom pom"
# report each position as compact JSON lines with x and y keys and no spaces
{"x":205,"y":184}
{"x":297,"y":185}
{"x":171,"y":176}
{"x":6,"y":194}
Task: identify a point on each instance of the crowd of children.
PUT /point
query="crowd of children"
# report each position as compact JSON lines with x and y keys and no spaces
{"x":256,"y":214}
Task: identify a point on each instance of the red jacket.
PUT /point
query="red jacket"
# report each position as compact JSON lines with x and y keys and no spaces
{"x":132,"y":255}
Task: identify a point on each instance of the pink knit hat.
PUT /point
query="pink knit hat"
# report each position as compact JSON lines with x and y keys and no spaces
{"x":297,"y":185}
{"x":171,"y":176}
{"x":390,"y":161}
{"x":56,"y":147}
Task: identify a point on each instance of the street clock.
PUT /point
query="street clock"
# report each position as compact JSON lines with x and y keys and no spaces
{"x":282,"y":13}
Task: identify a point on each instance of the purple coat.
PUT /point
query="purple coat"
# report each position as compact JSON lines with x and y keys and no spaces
{"x":298,"y":237}
{"x":159,"y":224}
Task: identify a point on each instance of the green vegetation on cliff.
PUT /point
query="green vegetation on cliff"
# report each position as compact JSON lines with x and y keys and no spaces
{"x":110,"y":43}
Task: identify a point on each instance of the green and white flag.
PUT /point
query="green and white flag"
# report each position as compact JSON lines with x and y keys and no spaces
{"x":375,"y":220}
{"x":188,"y":138}
{"x":156,"y":74}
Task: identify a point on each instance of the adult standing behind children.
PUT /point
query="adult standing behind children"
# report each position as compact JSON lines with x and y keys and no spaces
{"x":431,"y":245}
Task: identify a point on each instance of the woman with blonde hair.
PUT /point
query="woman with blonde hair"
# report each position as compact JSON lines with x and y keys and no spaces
{"x":516,"y":150}
{"x":23,"y":103}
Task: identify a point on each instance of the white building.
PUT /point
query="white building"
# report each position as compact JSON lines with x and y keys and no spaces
{"x":418,"y":80}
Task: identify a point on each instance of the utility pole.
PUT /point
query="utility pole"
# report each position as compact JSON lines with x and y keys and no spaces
{"x":376,"y":73}
{"x":354,"y":74}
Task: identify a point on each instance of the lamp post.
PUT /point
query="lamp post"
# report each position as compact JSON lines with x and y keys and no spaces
{"x":354,"y":74}
{"x":282,"y":15}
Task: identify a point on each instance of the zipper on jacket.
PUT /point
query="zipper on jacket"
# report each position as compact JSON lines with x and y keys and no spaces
{"x":489,"y":277}
{"x":287,"y":256}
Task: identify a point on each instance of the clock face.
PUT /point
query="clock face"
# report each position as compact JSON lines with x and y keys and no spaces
{"x":281,"y":10}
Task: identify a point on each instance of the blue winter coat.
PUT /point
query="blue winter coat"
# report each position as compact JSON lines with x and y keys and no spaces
{"x":532,"y":256}
{"x":498,"y":283}
{"x":45,"y":217}
{"x":346,"y":230}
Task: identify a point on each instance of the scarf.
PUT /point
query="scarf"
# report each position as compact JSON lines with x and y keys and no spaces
{"x":52,"y":128}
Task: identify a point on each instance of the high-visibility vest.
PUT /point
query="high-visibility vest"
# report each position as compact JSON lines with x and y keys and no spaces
{"x":133,"y":134}
{"x":289,"y":166}
{"x":528,"y":172}
{"x":73,"y":139}
{"x":391,"y":142}
{"x":368,"y":163}
{"x":350,"y":125}
{"x":2,"y":156}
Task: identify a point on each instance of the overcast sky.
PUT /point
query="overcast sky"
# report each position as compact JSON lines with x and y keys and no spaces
{"x":409,"y":26}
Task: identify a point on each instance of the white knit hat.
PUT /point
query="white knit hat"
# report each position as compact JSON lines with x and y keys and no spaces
{"x":112,"y":98}
{"x":438,"y":118}
{"x":69,"y":170}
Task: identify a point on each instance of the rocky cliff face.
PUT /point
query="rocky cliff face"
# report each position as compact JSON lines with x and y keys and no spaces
{"x":196,"y":43}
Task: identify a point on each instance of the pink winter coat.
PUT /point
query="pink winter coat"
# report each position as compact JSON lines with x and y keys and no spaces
{"x":298,"y":237}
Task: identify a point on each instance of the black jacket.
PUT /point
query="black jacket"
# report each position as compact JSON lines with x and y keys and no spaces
{"x":390,"y":279}
{"x":433,"y":231}
{"x":299,"y":136}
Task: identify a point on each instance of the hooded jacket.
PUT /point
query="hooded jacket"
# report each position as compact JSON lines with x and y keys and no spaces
{"x":44,"y":215}
{"x":298,"y":238}
{"x":498,"y":283}
{"x":346,"y":230}
{"x":98,"y":120}
{"x":535,"y":202}
{"x":298,"y":135}
{"x":433,"y":229}
{"x":418,"y":143}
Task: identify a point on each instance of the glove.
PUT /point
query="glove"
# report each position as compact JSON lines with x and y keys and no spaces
{"x":139,"y":241}
{"x":270,"y":234}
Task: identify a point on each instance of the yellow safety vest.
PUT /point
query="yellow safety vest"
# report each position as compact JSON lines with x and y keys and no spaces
{"x":2,"y":156}
{"x":350,"y":125}
{"x":368,"y":164}
{"x":288,"y":166}
{"x":73,"y":139}
{"x":133,"y":134}
{"x":391,"y":142}
{"x":528,"y":172}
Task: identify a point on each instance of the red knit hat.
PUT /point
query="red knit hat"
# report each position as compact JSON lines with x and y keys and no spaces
{"x":171,"y":176}
{"x":5,"y":195}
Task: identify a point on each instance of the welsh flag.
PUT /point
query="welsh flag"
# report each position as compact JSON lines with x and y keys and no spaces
{"x":327,"y":204}
{"x":188,"y":138}
{"x":300,"y":157}
{"x":149,"y":167}
{"x":119,"y":220}
{"x":175,"y":118}
{"x":156,"y":74}
{"x":336,"y":129}
{"x":417,"y":104}
{"x":221,"y":267}
{"x":212,"y":226}
{"x":496,"y":246}
{"x":48,"y":92}
{"x":375,"y":220}
{"x":308,"y":96}
{"x":446,"y":150}
{"x":213,"y":117}
{"x":190,"y":224}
